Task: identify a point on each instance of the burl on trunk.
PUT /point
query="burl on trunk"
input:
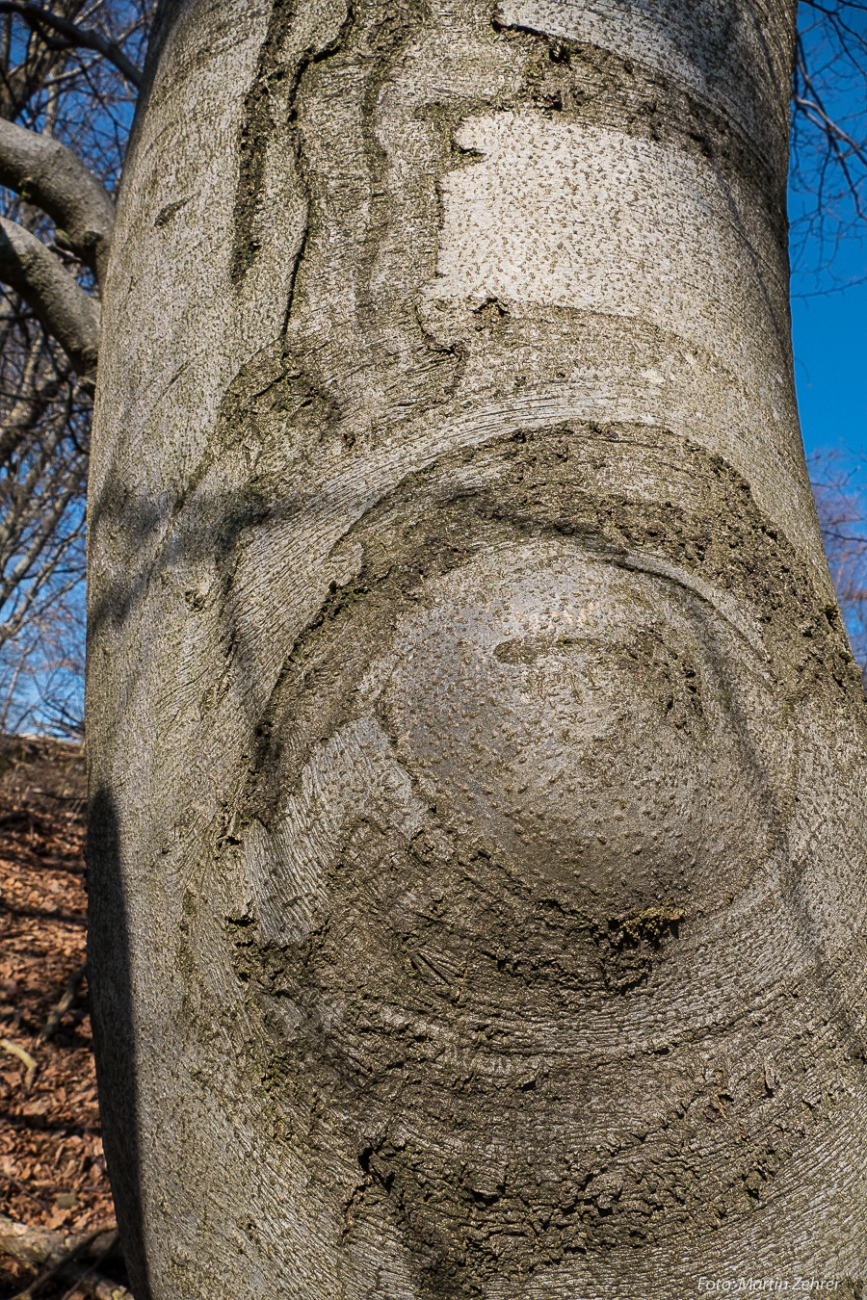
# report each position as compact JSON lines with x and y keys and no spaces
{"x":478,"y":761}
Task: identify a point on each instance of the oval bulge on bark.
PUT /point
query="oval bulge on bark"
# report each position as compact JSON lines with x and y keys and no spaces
{"x":579,"y":723}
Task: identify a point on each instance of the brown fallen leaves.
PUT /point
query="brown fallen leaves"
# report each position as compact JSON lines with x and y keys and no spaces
{"x":52,"y":1168}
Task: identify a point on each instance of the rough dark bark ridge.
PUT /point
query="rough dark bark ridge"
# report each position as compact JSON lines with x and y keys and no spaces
{"x":477,"y":755}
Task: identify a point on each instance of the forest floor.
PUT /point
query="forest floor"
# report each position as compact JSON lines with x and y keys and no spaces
{"x":52,"y":1169}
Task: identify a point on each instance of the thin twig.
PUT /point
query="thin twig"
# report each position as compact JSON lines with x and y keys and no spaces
{"x":73,"y":984}
{"x":24,"y":1057}
{"x":91,"y":1282}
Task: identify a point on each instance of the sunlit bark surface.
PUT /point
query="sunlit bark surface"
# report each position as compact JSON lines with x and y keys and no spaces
{"x":477,"y":757}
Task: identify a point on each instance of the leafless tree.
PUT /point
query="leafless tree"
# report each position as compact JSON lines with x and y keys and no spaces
{"x":840,"y":500}
{"x":68,"y":78}
{"x":41,"y":670}
{"x":829,"y":135}
{"x":266,"y":671}
{"x":69,"y":72}
{"x":477,"y":758}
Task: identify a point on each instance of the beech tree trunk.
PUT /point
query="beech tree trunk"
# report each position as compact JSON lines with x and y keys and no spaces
{"x":478,"y":759}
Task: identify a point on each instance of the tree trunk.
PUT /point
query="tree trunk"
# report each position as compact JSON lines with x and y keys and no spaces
{"x":477,"y":754}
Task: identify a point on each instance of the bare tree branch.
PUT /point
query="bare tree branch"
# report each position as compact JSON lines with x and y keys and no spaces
{"x":39,"y":19}
{"x":63,"y":307}
{"x":842,"y":509}
{"x":37,"y":1247}
{"x":60,"y":90}
{"x":828,"y":181}
{"x":24,"y":81}
{"x":43,"y":171}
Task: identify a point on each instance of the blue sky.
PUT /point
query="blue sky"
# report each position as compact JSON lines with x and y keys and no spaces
{"x":830,"y":339}
{"x":829,"y":324}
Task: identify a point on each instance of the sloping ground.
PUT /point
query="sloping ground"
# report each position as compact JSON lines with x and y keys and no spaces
{"x":52,"y":1170}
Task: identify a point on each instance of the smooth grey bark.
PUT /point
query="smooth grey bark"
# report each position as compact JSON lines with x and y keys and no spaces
{"x":477,"y":756}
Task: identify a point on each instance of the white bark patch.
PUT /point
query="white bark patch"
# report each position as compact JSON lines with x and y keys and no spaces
{"x":584,"y":217}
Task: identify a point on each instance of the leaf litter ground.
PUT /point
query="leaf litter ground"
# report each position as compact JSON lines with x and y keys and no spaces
{"x":52,"y":1168}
